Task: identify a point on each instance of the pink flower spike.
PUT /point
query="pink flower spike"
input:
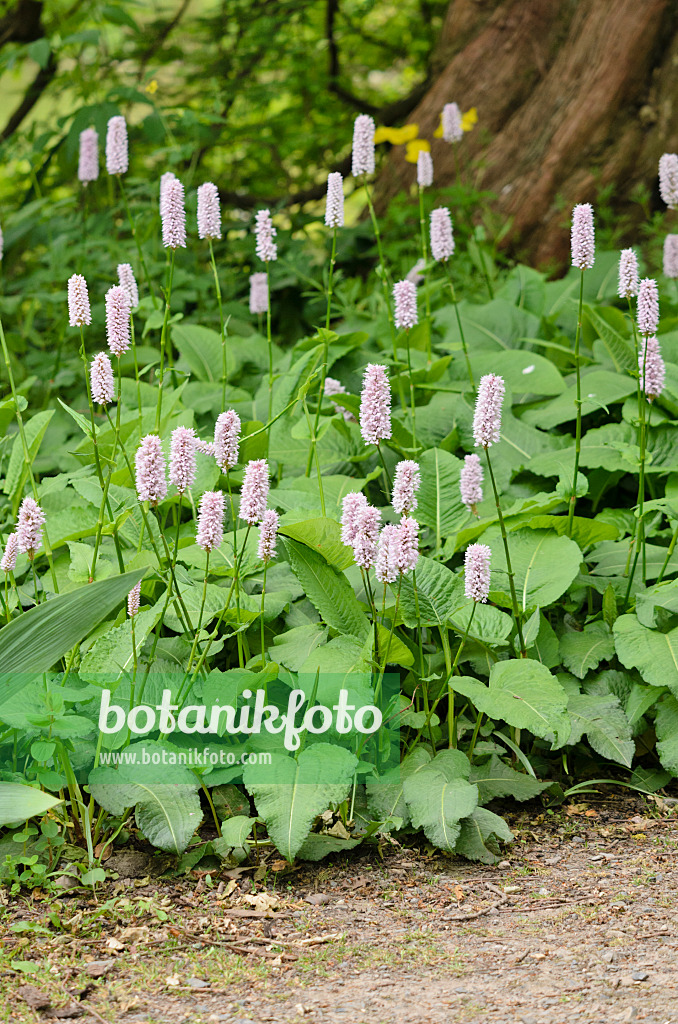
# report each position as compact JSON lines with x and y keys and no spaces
{"x":335,"y":387}
{"x":487,"y":417}
{"x":258,"y":293}
{"x":583,"y":237}
{"x":266,"y":249}
{"x":628,"y":274}
{"x":173,"y":216}
{"x":668,"y":179}
{"x":101,"y":380}
{"x":366,"y":540}
{"x":182,"y":465}
{"x":165,"y":179}
{"x":415,"y":275}
{"x":88,"y":161}
{"x":117,"y":320}
{"x":362,"y":160}
{"x":375,"y":405}
{"x":470,"y":483}
{"x":227,"y":440}
{"x":334,"y":208}
{"x":405,"y":299}
{"x":209,"y":211}
{"x":150,"y":470}
{"x":424,"y":169}
{"x":386,"y":569}
{"x":29,"y":527}
{"x":652,"y":369}
{"x":477,"y":572}
{"x":671,"y":256}
{"x":204,"y":447}
{"x":405,"y":486}
{"x":210,"y":532}
{"x":254,"y":491}
{"x":117,"y":158}
{"x":133,"y":600}
{"x":648,"y":307}
{"x":8,"y":560}
{"x":442,"y":239}
{"x":352,"y":506}
{"x":268,"y":536}
{"x":452,"y":129}
{"x":78,"y":302}
{"x":127,"y":280}
{"x":407,"y":545}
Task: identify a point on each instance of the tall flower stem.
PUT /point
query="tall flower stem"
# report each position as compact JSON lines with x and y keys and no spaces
{"x":269,"y":339}
{"x":202,"y":609}
{"x":370,"y":594}
{"x":409,"y":373}
{"x":509,"y":570}
{"x":669,"y":551}
{"x":135,"y":236}
{"x":638,"y":539}
{"x":104,"y":497}
{"x":326,"y":346}
{"x":387,"y":478}
{"x":263,"y":638}
{"x":424,"y":254}
{"x":217,"y":287}
{"x":461,"y":329}
{"x":382,"y":670}
{"x":452,"y":737}
{"x":577,"y":442}
{"x":27,"y":455}
{"x":136,"y":371}
{"x":236,"y":581}
{"x":163,"y":338}
{"x":314,"y":453}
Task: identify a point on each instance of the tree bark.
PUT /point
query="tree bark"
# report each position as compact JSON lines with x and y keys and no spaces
{"x":572,"y":96}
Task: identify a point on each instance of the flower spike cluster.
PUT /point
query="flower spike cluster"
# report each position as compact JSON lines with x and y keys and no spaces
{"x":209,"y":211}
{"x":226,"y":440}
{"x":101,"y":380}
{"x":8,"y":560}
{"x":648,"y":307}
{"x":452,"y":129}
{"x":470,"y":483}
{"x":375,"y":405}
{"x":78,"y":302}
{"x":487,"y":417}
{"x":362,"y":160}
{"x":30,"y":521}
{"x":88,"y":160}
{"x":117,"y":158}
{"x":268,"y":536}
{"x":150,"y":470}
{"x":668,"y":179}
{"x":182,"y":467}
{"x":628,"y":274}
{"x":424,"y":169}
{"x":405,"y":300}
{"x":652,"y":369}
{"x":583,"y":237}
{"x":477,"y":572}
{"x":254,"y":491}
{"x":258,"y":293}
{"x":266,"y":249}
{"x":334,"y":208}
{"x":442,"y":239}
{"x":133,"y":600}
{"x":118,"y":333}
{"x":405,"y":486}
{"x":210,"y":531}
{"x":670,"y":266}
{"x":127,"y":280}
{"x":173,"y":215}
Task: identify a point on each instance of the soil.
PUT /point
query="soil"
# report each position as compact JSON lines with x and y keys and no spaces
{"x":579,"y":923}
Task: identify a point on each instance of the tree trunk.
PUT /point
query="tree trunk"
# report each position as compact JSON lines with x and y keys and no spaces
{"x":572,"y":96}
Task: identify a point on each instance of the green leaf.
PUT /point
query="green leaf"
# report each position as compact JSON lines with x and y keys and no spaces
{"x":385,"y":797}
{"x":17,"y":471}
{"x":319,"y":845}
{"x":229,"y":802}
{"x":654,"y":654}
{"x":168,"y":815}
{"x":600,"y":388}
{"x":201,"y":348}
{"x":439,"y":796}
{"x":321,"y":535}
{"x":544,"y":566}
{"x":288,"y":795}
{"x":610,"y":607}
{"x":523,"y":693}
{"x":524,"y":372}
{"x":439,"y":502}
{"x":112,"y":654}
{"x":36,"y":640}
{"x":618,"y":349}
{"x":328,"y":590}
{"x":660,"y":596}
{"x":603,"y":722}
{"x":479,"y":836}
{"x":291,"y":649}
{"x":666,"y":726}
{"x":495,"y":779}
{"x":581,"y":652}
{"x":19,"y":803}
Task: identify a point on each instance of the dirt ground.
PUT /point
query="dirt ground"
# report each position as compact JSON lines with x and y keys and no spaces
{"x":580,"y":923}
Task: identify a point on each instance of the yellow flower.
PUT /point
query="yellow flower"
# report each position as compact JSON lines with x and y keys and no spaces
{"x":152,"y":86}
{"x":413,"y":149}
{"x":396,"y":136}
{"x":468,"y":121}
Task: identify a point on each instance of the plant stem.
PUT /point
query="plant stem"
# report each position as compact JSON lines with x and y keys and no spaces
{"x":224,"y":369}
{"x":136,"y":373}
{"x":389,"y":484}
{"x":452,"y":738}
{"x":314,"y":452}
{"x":135,"y":236}
{"x":270,"y":342}
{"x":577,"y":442}
{"x":377,"y":691}
{"x":236,"y":581}
{"x":409,"y":372}
{"x":263,"y":640}
{"x":424,"y":253}
{"x":461,"y":329}
{"x":321,"y":392}
{"x":27,"y":455}
{"x":104,"y":497}
{"x":202,"y":609}
{"x":163,"y":338}
{"x":509,"y":570}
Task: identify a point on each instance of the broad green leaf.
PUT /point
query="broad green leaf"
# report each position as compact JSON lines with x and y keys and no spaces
{"x":598,"y":387}
{"x":610,"y":558}
{"x":603,"y":722}
{"x":617,"y":348}
{"x":167,"y":815}
{"x":319,"y":845}
{"x":523,"y":693}
{"x":236,"y":829}
{"x":524,"y":372}
{"x":479,"y":836}
{"x":581,"y":652}
{"x":439,"y":796}
{"x":439,"y":502}
{"x":19,"y":803}
{"x":328,"y":590}
{"x":666,"y":726}
{"x":661,"y":596}
{"x":289,"y":794}
{"x":291,"y":649}
{"x":201,"y":348}
{"x":545,"y":648}
{"x":495,"y":779}
{"x":385,"y":797}
{"x":321,"y":535}
{"x":229,"y":802}
{"x":17,"y":471}
{"x":654,"y":654}
{"x":584,"y":531}
{"x":301,"y":494}
{"x":544,"y":566}
{"x":36,"y":640}
{"x":113,"y":653}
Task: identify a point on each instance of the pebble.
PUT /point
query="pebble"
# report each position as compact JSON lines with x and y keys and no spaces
{"x":640,"y":975}
{"x":504,"y":865}
{"x":197,"y":983}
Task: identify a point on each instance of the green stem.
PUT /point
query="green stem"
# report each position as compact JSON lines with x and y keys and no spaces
{"x":314,"y":452}
{"x":135,"y":236}
{"x":409,"y":372}
{"x":323,"y":377}
{"x":163,"y":338}
{"x":136,"y":373}
{"x":577,"y":443}
{"x":104,"y":497}
{"x":269,"y":339}
{"x":28,"y":461}
{"x":389,"y":484}
{"x":509,"y":570}
{"x":377,"y":691}
{"x":476,"y":730}
{"x":452,"y":737}
{"x":224,"y":368}
{"x":424,"y":253}
{"x":461,"y":329}
{"x":241,"y":660}
{"x":263,"y":640}
{"x":202,"y":609}
{"x":669,"y":552}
